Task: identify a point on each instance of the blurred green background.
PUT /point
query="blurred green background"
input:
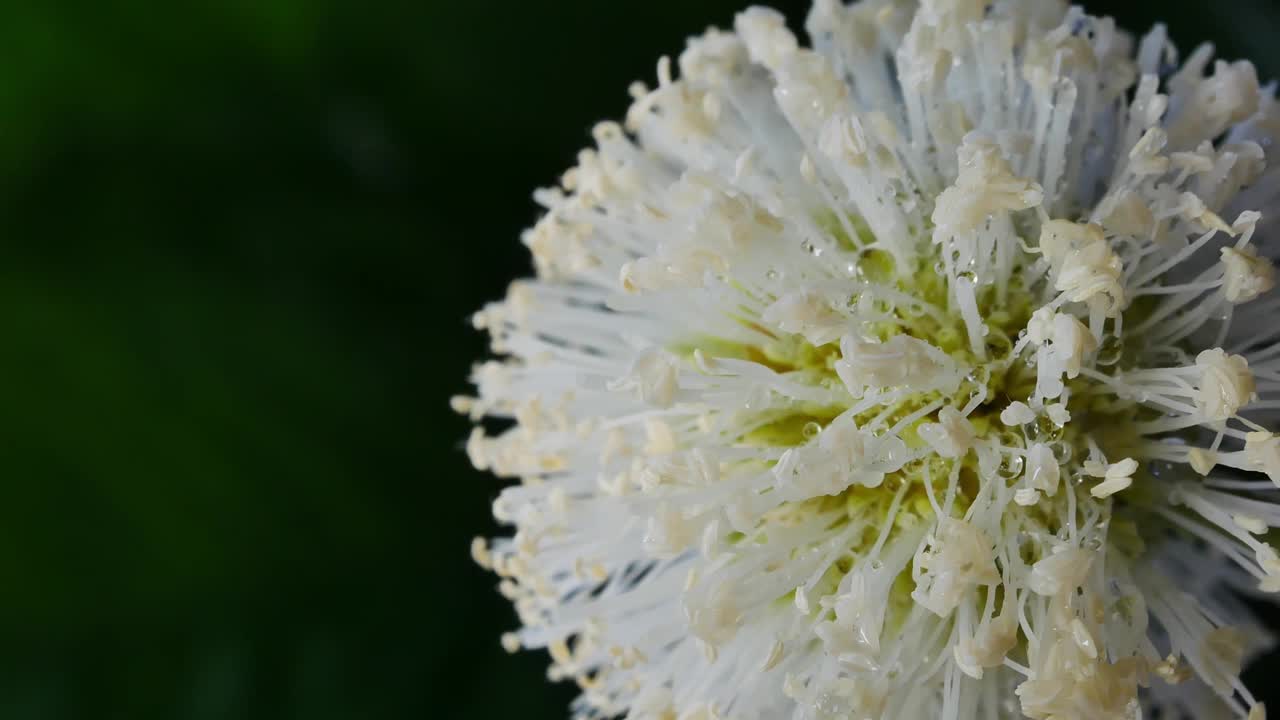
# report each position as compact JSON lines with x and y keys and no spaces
{"x":241,"y":240}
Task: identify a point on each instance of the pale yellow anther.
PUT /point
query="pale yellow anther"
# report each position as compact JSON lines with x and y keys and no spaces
{"x":1245,"y":275}
{"x":1201,"y":460}
{"x":511,"y":642}
{"x":1250,"y":523}
{"x":480,"y":553}
{"x":1225,"y":386}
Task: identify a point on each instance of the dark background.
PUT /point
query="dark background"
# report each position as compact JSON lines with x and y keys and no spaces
{"x":240,"y":243}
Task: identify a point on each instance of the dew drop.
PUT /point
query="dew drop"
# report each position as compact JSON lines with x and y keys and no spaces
{"x":1012,"y":468}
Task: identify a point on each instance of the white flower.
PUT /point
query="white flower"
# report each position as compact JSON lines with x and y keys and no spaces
{"x":1226,"y":384}
{"x":951,"y":436}
{"x":955,"y":559}
{"x":1263,"y":452}
{"x":985,"y":186}
{"x":1062,"y":570}
{"x":1247,"y":275}
{"x":808,"y":314}
{"x":912,"y":375}
{"x":901,"y":362}
{"x":1043,"y":471}
{"x":1115,"y":477}
{"x":1087,"y":269}
{"x":1017,"y":413}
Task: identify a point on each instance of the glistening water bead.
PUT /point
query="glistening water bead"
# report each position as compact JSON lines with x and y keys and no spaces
{"x":926,"y":373}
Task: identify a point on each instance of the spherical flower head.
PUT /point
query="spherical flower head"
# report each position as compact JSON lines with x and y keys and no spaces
{"x":913,"y":374}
